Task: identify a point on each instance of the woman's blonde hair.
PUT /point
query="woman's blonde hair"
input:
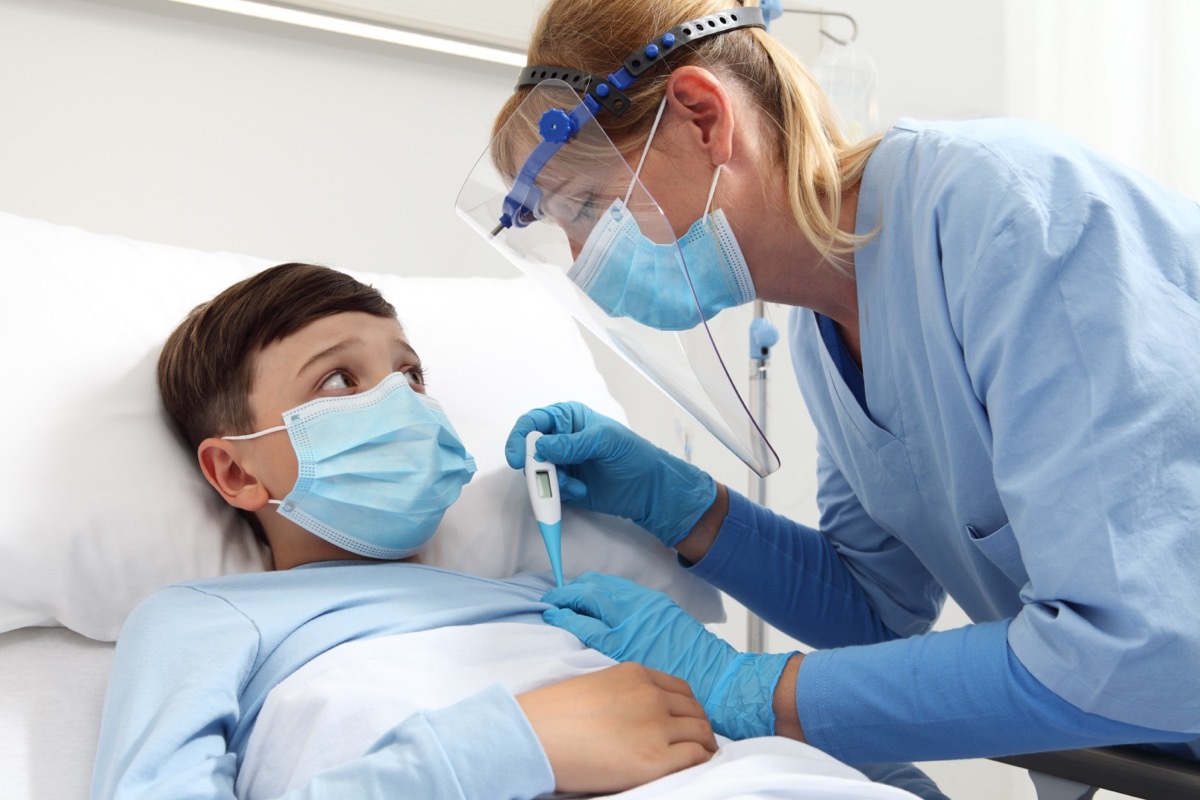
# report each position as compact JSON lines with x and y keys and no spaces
{"x":596,"y":35}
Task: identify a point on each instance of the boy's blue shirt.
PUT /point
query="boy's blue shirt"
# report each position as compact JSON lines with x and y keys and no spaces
{"x":195,"y":663}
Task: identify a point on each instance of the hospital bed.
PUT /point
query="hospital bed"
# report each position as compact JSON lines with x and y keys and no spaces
{"x":102,"y":506}
{"x":1078,"y":774}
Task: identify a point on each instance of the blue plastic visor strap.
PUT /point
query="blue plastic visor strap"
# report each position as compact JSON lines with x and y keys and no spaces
{"x":522,"y":203}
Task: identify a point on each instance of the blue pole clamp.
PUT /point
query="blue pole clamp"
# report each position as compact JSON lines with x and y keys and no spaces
{"x":763,"y":336}
{"x":772,"y":10}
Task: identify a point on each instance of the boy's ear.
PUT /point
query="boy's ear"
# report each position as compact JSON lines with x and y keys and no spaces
{"x":219,"y":463}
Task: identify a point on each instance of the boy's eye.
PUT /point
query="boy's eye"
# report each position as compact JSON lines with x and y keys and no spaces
{"x":415,"y":375}
{"x":336,"y":380}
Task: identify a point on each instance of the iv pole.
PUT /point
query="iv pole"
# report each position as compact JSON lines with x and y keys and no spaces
{"x":764,"y":336}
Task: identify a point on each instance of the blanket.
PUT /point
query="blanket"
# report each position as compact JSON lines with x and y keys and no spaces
{"x":335,"y":707}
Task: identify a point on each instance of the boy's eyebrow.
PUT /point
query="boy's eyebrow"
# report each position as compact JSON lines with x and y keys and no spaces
{"x":348,"y":342}
{"x":407,"y":348}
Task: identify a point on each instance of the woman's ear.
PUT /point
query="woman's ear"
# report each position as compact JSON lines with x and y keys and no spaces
{"x":699,"y":100}
{"x":221,"y":467}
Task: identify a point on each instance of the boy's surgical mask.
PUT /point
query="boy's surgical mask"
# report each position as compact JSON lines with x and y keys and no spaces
{"x":629,"y":275}
{"x":377,"y":470}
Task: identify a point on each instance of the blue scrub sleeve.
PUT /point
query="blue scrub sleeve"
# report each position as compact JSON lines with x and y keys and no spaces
{"x":790,"y":575}
{"x":951,"y":694}
{"x":172,"y":703}
{"x":899,"y":587}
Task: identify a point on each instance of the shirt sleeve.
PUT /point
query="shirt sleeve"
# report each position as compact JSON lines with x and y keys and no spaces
{"x":478,"y":749}
{"x":172,"y":700}
{"x":791,"y":576}
{"x":951,"y":694}
{"x":172,"y":704}
{"x":905,"y":595}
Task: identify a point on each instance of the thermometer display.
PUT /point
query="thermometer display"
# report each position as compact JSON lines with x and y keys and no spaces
{"x":541,"y":478}
{"x":543,"y":484}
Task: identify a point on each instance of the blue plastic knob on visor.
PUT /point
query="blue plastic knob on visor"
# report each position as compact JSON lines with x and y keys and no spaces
{"x":606,"y":250}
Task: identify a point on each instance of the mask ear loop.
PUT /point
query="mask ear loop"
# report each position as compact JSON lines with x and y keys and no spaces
{"x":645,"y":150}
{"x":244,"y":436}
{"x":712,"y":190}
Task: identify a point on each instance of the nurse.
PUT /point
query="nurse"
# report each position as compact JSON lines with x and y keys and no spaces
{"x":997,"y":335}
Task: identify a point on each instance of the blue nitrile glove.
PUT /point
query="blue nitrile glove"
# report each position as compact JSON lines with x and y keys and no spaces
{"x":604,"y":466}
{"x":629,"y":622}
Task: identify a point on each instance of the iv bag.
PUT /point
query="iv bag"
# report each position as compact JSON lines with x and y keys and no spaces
{"x":851,"y":80}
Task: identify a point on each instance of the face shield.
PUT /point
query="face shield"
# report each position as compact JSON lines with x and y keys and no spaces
{"x":557,"y":199}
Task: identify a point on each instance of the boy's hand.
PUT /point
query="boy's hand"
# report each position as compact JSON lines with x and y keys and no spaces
{"x":628,"y":622}
{"x":617,"y":728}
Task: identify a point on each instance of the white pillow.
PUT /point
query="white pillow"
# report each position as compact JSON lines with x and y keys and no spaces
{"x":100,"y":504}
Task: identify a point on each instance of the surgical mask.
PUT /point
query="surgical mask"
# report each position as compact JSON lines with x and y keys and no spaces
{"x":629,"y":275}
{"x":377,"y":470}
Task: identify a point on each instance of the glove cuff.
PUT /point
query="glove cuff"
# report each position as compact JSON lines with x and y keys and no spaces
{"x":691,"y":490}
{"x":741,"y":704}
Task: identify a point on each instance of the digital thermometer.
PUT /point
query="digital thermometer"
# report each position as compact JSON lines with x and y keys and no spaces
{"x":541,"y":478}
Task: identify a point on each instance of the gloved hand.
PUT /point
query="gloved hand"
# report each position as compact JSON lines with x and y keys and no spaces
{"x":629,"y":622}
{"x":604,"y":466}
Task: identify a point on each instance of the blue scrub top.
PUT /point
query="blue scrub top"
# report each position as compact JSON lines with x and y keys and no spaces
{"x":1030,"y":337}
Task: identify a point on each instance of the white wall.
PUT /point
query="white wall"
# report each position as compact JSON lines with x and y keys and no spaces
{"x":196,"y":128}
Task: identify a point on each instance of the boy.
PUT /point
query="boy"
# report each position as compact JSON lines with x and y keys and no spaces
{"x":306,"y":407}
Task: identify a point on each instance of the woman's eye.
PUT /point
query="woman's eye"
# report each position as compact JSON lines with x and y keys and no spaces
{"x":587,"y":209}
{"x":336,"y":381}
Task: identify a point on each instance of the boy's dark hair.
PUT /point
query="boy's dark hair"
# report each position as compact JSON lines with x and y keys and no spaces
{"x":207,"y":365}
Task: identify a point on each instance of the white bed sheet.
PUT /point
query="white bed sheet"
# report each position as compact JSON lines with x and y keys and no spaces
{"x":53,"y":692}
{"x":335,"y":707}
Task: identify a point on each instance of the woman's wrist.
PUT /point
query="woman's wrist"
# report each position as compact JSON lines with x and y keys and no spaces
{"x":700,"y":538}
{"x":783,"y":703}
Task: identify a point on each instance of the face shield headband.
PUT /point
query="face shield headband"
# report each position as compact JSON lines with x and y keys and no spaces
{"x":522,"y":205}
{"x":606,"y":251}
